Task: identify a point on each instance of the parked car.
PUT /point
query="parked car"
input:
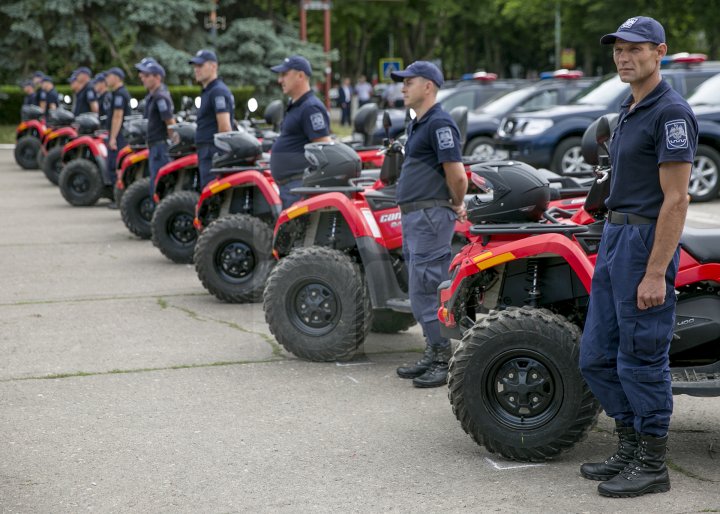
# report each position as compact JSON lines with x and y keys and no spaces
{"x":705,"y":178}
{"x":471,"y":94}
{"x":551,"y":138}
{"x":559,"y":89}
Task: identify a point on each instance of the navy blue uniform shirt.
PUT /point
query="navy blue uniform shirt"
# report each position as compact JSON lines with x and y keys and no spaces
{"x":215,"y":98}
{"x":30,"y":99}
{"x":158,"y":109}
{"x":104,"y":101}
{"x":305,"y":120}
{"x":432,"y":140}
{"x":121,"y":100}
{"x":83,"y":99}
{"x":661,"y":128}
{"x":50,"y":97}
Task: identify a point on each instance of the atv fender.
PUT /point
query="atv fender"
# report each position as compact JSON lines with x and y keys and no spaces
{"x":128,"y":164}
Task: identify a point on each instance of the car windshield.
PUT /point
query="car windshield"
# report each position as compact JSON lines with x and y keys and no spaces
{"x":443,"y":93}
{"x":706,"y":93}
{"x":505,"y":102}
{"x":604,"y":92}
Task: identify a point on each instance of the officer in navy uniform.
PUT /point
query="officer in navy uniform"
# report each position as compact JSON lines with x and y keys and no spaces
{"x":29,"y":90}
{"x":430,"y":192}
{"x":104,"y":97}
{"x":217,"y":109}
{"x":37,"y":78}
{"x":120,"y":107}
{"x":306,"y":120}
{"x":85,"y":98}
{"x":48,"y":98}
{"x":624,"y":352}
{"x":159,"y":113}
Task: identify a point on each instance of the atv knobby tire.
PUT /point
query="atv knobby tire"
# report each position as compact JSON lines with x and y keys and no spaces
{"x":515,"y":385}
{"x":26,"y":150}
{"x":80,"y":183}
{"x":173,"y":231}
{"x":316,"y":304}
{"x":137,"y":207}
{"x":386,"y":321}
{"x":233,"y":258}
{"x":52,"y":164}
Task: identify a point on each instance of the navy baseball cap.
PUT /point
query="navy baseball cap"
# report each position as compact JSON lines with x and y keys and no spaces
{"x":38,"y":74}
{"x":116,"y":71}
{"x":47,"y":78}
{"x":82,"y":69}
{"x":203,"y":56}
{"x":150,"y":65}
{"x":424,"y":69}
{"x":26,"y":82}
{"x":294,"y":62}
{"x":639,"y":29}
{"x":100,"y":77}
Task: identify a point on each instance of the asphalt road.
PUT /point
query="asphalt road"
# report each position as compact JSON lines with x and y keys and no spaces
{"x":125,"y":387}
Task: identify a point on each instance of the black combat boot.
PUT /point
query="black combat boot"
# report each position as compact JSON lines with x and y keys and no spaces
{"x":646,"y":473}
{"x":419,"y":367}
{"x":436,"y":375}
{"x":613,"y":465}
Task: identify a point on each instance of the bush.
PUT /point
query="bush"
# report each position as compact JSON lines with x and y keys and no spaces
{"x":10,"y":106}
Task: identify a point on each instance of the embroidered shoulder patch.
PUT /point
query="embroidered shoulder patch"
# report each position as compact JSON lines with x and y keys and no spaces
{"x":220,"y":103}
{"x":317,"y":120}
{"x":676,"y":135}
{"x":119,"y":101}
{"x":162,"y":105}
{"x":445,"y":138}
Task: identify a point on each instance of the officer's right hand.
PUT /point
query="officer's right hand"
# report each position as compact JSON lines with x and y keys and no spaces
{"x":460,"y":211}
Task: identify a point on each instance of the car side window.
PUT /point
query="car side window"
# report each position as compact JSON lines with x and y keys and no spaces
{"x":542,"y":100}
{"x":463,"y":98}
{"x":693,"y":81}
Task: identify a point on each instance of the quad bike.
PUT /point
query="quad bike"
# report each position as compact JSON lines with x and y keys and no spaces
{"x":132,"y":158}
{"x":60,"y":131}
{"x":267,"y":129}
{"x":517,"y":298}
{"x":83,"y":179}
{"x":28,"y":137}
{"x":177,"y":193}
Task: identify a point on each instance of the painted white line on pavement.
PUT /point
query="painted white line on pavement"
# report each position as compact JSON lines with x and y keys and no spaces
{"x":7,"y":146}
{"x":512,"y":466}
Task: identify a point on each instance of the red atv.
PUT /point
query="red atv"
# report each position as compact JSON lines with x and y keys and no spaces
{"x":83,"y":179}
{"x":60,"y":131}
{"x":518,"y":298}
{"x":131,"y":159}
{"x":28,"y":137}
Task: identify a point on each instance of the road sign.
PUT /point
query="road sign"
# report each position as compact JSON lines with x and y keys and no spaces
{"x":388,"y":65}
{"x":316,"y":5}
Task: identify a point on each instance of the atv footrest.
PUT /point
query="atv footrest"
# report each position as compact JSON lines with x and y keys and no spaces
{"x":527,"y":228}
{"x":703,"y":381}
{"x":399,"y":305}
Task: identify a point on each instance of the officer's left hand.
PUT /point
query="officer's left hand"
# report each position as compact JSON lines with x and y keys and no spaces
{"x":460,"y":212}
{"x":651,"y":291}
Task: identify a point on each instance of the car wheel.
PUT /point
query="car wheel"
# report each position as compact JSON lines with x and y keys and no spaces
{"x":705,"y":179}
{"x":568,"y":159}
{"x":480,"y":149}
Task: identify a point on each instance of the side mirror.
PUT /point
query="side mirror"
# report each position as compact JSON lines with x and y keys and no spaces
{"x":602,"y":135}
{"x":252,"y":105}
{"x":387,"y":123}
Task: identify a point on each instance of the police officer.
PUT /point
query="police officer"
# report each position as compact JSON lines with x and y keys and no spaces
{"x":119,"y":108}
{"x":48,"y":98}
{"x":626,"y":339}
{"x":29,"y":90}
{"x":217,"y":107}
{"x":104,"y":97}
{"x":159,"y":113}
{"x":85,"y":99}
{"x":430,"y":191}
{"x":37,"y":83}
{"x":306,"y":120}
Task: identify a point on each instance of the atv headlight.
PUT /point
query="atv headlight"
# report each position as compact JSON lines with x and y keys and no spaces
{"x":532,"y":126}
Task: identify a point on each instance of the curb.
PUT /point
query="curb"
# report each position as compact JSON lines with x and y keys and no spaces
{"x":7,"y":146}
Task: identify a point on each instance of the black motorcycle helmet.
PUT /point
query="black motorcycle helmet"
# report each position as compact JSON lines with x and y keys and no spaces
{"x":87,"y":123}
{"x":135,"y":131}
{"x":182,"y":141}
{"x":60,"y":118}
{"x":519,"y":194}
{"x":237,"y":148}
{"x":30,"y":112}
{"x":591,"y":151}
{"x":366,"y":120}
{"x":274,"y":113}
{"x":330,"y":164}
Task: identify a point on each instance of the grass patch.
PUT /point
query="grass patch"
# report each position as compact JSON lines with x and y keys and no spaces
{"x":7,"y":134}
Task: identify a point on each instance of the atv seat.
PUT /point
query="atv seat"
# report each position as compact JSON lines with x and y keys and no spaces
{"x":702,"y":243}
{"x":381,"y":199}
{"x":312,"y":191}
{"x":372,"y":174}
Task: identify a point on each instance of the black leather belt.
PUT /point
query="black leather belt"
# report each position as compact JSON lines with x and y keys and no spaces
{"x":622,"y":218}
{"x":286,"y":180}
{"x":422,"y":204}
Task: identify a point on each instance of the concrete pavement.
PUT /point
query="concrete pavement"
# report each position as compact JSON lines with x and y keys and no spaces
{"x":125,"y":387}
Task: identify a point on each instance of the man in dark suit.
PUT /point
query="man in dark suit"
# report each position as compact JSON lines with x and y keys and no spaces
{"x":345,"y":101}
